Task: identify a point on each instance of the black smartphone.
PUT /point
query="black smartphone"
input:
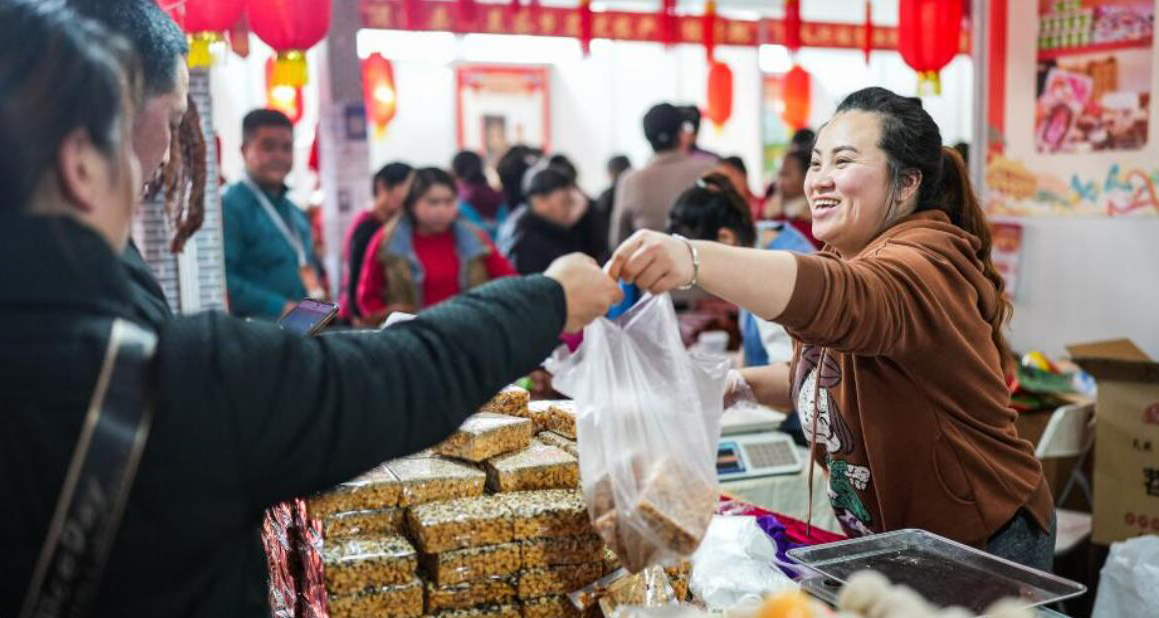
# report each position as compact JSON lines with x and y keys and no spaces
{"x":309,"y":317}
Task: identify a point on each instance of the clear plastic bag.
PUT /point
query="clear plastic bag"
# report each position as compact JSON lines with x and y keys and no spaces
{"x":648,"y":423}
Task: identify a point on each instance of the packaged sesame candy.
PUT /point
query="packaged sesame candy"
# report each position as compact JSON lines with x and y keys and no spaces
{"x":561,"y":418}
{"x":562,"y":550}
{"x":547,"y":513}
{"x":357,"y":563}
{"x":558,"y":441}
{"x":376,"y":489}
{"x":460,"y":565}
{"x":455,"y":524}
{"x":402,"y":601}
{"x":561,"y":579}
{"x":539,"y":466}
{"x":364,"y":523}
{"x":486,"y":435}
{"x":552,"y":606}
{"x":493,"y":610}
{"x":470,"y":594}
{"x":436,"y":478}
{"x":512,"y":401}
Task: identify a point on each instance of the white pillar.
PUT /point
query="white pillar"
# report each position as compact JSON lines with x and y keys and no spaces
{"x":343,"y":148}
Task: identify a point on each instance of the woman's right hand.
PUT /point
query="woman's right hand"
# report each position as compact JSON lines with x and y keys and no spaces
{"x":590,"y":292}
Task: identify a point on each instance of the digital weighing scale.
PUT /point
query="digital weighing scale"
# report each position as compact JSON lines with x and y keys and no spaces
{"x":750,"y":446}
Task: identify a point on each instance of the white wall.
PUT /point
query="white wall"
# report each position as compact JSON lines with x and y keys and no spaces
{"x":597,"y":103}
{"x":1086,"y":280}
{"x":1081,"y":278}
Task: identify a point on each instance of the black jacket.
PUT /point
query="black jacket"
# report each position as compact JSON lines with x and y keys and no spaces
{"x":537,"y":241}
{"x":246,"y":415}
{"x":149,"y":303}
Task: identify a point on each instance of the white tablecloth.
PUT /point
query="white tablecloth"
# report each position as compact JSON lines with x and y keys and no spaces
{"x":788,"y":494}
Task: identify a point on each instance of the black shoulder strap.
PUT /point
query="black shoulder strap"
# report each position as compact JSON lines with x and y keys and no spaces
{"x":97,"y":484}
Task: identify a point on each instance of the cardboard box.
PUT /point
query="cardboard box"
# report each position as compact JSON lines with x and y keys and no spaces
{"x":1126,"y":481}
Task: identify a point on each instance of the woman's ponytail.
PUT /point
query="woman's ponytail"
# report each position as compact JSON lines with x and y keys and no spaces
{"x":956,"y":197}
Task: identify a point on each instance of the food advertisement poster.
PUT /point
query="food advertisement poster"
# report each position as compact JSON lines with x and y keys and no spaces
{"x":1069,"y":129}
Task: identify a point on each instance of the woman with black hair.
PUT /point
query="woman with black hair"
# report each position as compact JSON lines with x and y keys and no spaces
{"x":390,"y":186}
{"x":901,"y":359}
{"x":546,"y":229}
{"x":427,"y":255}
{"x":240,"y":415}
{"x":479,"y":203}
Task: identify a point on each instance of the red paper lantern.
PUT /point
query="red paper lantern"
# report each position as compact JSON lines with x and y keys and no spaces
{"x":795,"y":93}
{"x":282,"y":97}
{"x":928,"y":32}
{"x":290,"y":27}
{"x":378,"y":91}
{"x":719,"y":94}
{"x":204,"y":21}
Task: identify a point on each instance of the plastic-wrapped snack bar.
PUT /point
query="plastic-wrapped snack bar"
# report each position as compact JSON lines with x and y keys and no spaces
{"x":611,"y":561}
{"x":470,"y":594}
{"x":561,"y":418}
{"x":377,"y":489}
{"x":539,"y":466}
{"x":436,"y":478}
{"x":357,"y":563}
{"x":455,"y":524}
{"x":373,"y":522}
{"x":677,"y":507}
{"x":541,"y":414}
{"x":512,"y":401}
{"x":404,"y":600}
{"x":460,"y":565}
{"x":648,"y":588}
{"x":547,"y":513}
{"x":554,"y":606}
{"x":562,"y":550}
{"x":680,"y":588}
{"x":558,"y":441}
{"x":562,"y":579}
{"x":486,"y":435}
{"x":494,"y":610}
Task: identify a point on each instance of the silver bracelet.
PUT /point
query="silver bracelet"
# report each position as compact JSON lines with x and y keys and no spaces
{"x":695,"y":263}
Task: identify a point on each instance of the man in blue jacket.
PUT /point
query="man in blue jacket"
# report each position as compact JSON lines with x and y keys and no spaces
{"x":269,"y":259}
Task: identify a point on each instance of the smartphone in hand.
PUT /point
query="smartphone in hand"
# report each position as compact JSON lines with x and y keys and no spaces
{"x":309,"y":317}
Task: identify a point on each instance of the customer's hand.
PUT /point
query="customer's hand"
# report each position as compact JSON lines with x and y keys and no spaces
{"x":589,"y":290}
{"x":653,"y":261}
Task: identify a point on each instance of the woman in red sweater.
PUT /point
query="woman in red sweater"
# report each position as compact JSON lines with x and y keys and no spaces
{"x":427,"y":255}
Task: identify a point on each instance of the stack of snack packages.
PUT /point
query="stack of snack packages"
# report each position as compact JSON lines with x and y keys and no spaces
{"x":489,"y":523}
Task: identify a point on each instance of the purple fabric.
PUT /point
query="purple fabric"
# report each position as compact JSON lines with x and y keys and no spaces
{"x":779,"y":535}
{"x":482,"y":197}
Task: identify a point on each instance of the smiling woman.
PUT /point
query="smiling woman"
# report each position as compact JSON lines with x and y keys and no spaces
{"x":900,"y":356}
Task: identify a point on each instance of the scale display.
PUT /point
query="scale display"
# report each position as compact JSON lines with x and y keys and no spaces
{"x":759,"y":454}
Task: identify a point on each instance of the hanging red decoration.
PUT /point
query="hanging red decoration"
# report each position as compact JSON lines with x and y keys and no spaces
{"x":282,"y":97}
{"x":585,"y":15}
{"x":708,"y":24}
{"x":468,"y":11}
{"x":928,"y":33}
{"x":378,"y":91}
{"x":413,"y":13}
{"x":793,"y":25}
{"x":239,"y":37}
{"x":668,"y":22}
{"x":867,"y":44}
{"x":290,"y":27}
{"x":205,"y":21}
{"x":796,"y":96}
{"x":719,"y":94}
